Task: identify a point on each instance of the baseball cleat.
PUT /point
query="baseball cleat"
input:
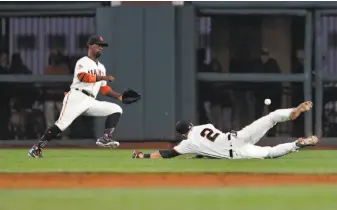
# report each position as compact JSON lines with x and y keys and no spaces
{"x":136,"y":154}
{"x":303,"y":107}
{"x":309,"y":141}
{"x":107,"y":142}
{"x":35,"y":152}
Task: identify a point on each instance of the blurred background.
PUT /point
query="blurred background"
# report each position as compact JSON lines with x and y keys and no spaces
{"x":208,"y":62}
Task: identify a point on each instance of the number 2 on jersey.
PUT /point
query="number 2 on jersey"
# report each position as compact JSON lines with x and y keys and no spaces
{"x":209,"y":134}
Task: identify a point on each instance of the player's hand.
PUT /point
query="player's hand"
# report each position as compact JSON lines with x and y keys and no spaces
{"x":130,"y":96}
{"x":109,"y":78}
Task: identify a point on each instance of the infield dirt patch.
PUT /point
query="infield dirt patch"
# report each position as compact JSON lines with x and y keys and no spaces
{"x":149,"y":180}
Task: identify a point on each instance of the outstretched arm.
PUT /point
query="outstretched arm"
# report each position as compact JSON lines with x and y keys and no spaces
{"x":107,"y":91}
{"x":185,"y":147}
{"x":156,"y":155}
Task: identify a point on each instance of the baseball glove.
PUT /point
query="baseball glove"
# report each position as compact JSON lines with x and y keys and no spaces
{"x":130,"y":96}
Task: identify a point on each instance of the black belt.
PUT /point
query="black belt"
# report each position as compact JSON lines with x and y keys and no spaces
{"x":229,"y":139}
{"x":85,"y":92}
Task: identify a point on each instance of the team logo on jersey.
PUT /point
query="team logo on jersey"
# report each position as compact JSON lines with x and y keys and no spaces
{"x":79,"y":66}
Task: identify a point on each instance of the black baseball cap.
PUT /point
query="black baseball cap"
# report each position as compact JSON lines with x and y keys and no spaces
{"x":182,"y":127}
{"x":95,"y":39}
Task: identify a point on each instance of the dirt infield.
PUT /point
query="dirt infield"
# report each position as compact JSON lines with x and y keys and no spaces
{"x":115,"y":180}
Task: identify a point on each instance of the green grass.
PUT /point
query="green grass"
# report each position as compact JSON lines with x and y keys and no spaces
{"x":280,"y":198}
{"x":56,"y":160}
{"x":238,"y":198}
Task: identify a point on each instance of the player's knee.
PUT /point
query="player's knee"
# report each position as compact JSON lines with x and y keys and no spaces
{"x":115,"y":108}
{"x":266,"y":152}
{"x":272,"y":117}
{"x":273,"y":113}
{"x":268,"y":148}
{"x":119,"y":109}
{"x":272,"y":153}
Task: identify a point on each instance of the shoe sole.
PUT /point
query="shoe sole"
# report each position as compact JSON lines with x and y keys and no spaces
{"x":312,"y":142}
{"x":298,"y":110}
{"x":34,"y":156}
{"x":109,"y":144}
{"x":134,"y":155}
{"x":31,"y":155}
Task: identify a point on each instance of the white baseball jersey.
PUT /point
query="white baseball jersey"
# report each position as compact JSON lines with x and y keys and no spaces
{"x":205,"y":140}
{"x":85,"y":64}
{"x":208,"y":141}
{"x":76,"y":103}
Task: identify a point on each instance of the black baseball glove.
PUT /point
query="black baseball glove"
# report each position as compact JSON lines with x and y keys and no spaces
{"x":130,"y":96}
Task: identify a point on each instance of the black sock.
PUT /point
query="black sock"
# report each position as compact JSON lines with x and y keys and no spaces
{"x":110,"y":123}
{"x":51,"y":133}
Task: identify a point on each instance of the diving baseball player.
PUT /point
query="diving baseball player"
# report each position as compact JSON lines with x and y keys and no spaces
{"x":207,"y":141}
{"x":89,"y":79}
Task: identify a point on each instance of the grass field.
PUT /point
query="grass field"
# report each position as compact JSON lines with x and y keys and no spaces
{"x":306,"y":161}
{"x":280,"y":198}
{"x":308,"y":197}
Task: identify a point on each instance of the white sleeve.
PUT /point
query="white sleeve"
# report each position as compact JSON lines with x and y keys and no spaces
{"x":80,"y":67}
{"x":185,"y":147}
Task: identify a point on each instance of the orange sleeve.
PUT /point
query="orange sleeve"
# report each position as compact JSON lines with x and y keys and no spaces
{"x":85,"y":77}
{"x":105,"y":90}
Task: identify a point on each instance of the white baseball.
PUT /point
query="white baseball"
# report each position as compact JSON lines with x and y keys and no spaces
{"x":267,"y":101}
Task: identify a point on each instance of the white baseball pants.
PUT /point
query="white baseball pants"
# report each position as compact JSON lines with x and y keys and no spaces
{"x":252,"y":133}
{"x":76,"y":103}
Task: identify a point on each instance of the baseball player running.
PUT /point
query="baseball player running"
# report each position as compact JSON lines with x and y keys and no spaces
{"x":89,"y":79}
{"x":207,"y":141}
